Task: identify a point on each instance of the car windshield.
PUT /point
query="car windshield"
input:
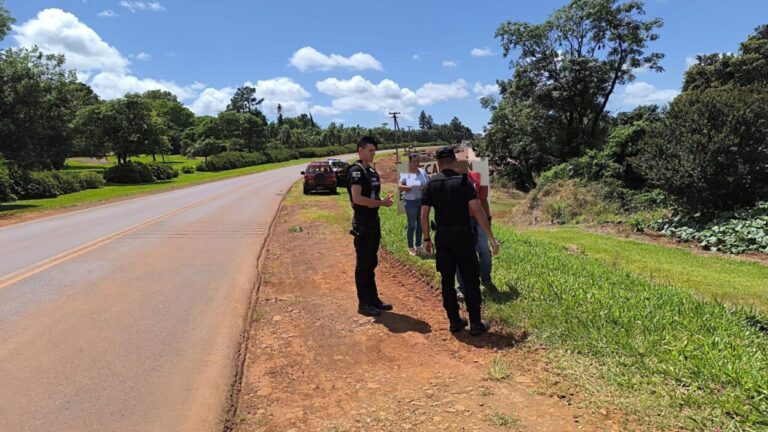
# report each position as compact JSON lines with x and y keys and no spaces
{"x":314,"y":169}
{"x":338,"y":164}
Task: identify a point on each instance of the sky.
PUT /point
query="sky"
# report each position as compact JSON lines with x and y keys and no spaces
{"x":346,"y":61}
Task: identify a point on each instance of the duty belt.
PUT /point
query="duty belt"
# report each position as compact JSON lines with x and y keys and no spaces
{"x":453,"y":228}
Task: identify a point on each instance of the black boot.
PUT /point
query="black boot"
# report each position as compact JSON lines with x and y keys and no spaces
{"x":457,"y":326}
{"x":478,"y":328}
{"x":380,"y":305}
{"x":368,"y":310}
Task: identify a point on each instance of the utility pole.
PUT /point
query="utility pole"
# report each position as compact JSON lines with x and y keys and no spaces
{"x":396,"y":128}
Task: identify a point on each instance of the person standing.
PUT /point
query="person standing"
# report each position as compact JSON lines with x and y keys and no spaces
{"x":451,"y":195}
{"x":411,"y":185}
{"x":481,"y":241}
{"x":364,"y":195}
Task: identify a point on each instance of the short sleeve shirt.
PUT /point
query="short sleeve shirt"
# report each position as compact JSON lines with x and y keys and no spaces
{"x":482,"y":191}
{"x":369,"y":180}
{"x":449,"y":194}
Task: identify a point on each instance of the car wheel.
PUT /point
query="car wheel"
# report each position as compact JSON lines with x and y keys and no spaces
{"x":306,"y":190}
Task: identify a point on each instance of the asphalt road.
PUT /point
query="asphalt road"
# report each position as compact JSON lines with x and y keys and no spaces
{"x":128,"y":316}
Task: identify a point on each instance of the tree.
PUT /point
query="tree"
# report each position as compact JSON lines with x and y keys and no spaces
{"x":5,"y":21}
{"x":279,"y":115}
{"x":567,"y":70}
{"x":173,"y":115}
{"x":245,"y":101}
{"x":711,"y":149}
{"x":748,"y":68}
{"x":38,"y":98}
{"x":425,"y":121}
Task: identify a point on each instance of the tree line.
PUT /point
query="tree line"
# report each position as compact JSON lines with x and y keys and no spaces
{"x":708,"y":150}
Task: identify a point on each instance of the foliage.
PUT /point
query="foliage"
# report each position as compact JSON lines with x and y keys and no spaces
{"x":571,"y":201}
{"x":711,"y":149}
{"x":162,"y":171}
{"x":281,"y":155}
{"x":50,"y":184}
{"x":232,"y":160}
{"x":6,"y":185}
{"x":129,"y":173}
{"x":735,"y":232}
{"x":188,"y":169}
{"x":553,"y":108}
{"x":5,"y":21}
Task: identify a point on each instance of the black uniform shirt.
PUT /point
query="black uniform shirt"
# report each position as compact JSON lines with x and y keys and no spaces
{"x":449,"y":193}
{"x":369,"y":179}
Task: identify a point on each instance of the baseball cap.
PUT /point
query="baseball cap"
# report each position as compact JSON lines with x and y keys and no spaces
{"x":445,"y":153}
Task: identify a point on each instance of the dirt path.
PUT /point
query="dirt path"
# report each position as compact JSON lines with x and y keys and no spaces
{"x":314,"y":364}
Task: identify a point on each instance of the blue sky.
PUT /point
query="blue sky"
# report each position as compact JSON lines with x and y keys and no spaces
{"x":346,"y":61}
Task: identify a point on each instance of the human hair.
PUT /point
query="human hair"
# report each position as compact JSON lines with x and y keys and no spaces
{"x":365,"y":140}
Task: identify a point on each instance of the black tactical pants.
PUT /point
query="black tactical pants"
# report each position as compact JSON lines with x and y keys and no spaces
{"x":457,"y":249}
{"x":367,"y":248}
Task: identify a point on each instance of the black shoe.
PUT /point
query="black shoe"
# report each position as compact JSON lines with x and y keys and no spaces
{"x":380,"y":305}
{"x":476,"y":329}
{"x":368,"y":310}
{"x":457,"y":326}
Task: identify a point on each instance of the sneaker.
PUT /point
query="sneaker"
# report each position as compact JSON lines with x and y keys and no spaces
{"x":368,"y":310}
{"x":476,"y":329}
{"x":457,"y":326}
{"x":412,"y":251}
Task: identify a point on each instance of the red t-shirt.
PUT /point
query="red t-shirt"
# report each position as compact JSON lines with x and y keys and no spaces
{"x":482,"y":191}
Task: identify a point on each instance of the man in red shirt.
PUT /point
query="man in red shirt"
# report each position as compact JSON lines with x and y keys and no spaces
{"x":481,"y":241}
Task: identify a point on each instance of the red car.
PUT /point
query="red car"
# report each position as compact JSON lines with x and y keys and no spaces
{"x":319,"y":176}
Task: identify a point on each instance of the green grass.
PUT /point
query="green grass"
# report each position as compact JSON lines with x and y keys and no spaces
{"x":667,"y":359}
{"x":110,"y":192}
{"x":728,"y":280}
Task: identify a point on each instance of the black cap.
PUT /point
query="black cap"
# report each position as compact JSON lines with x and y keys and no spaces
{"x":445,"y":153}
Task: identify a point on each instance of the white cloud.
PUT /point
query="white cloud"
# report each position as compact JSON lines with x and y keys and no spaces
{"x":642,"y":93}
{"x":690,"y":61}
{"x":135,"y":6}
{"x":485,"y":89}
{"x":109,"y":13}
{"x":143,"y":56}
{"x":415,"y":57}
{"x":324,"y":111}
{"x":284,"y":91}
{"x":212,"y":101}
{"x":110,"y":85}
{"x":59,"y":32}
{"x":481,"y":52}
{"x":359,"y":94}
{"x":308,"y":58}
{"x":450,"y":64}
{"x":97,"y":63}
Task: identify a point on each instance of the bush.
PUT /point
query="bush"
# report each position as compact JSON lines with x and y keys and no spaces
{"x":188,"y":169}
{"x":129,"y":173}
{"x":6,"y":186}
{"x":281,"y":155}
{"x":162,"y":171}
{"x":231,"y":160}
{"x":91,"y":180}
{"x":711,"y":150}
{"x":571,"y":201}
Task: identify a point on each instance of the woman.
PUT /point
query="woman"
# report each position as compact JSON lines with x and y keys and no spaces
{"x":411,"y":184}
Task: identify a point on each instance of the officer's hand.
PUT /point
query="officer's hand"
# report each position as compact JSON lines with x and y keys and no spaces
{"x":494,"y":247}
{"x":388,"y":202}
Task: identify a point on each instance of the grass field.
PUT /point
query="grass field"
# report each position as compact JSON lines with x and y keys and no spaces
{"x":111,"y":191}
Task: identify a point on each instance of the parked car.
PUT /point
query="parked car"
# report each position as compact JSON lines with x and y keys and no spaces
{"x":340,"y":169}
{"x":319,"y":176}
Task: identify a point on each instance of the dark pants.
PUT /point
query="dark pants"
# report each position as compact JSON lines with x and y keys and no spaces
{"x":456,"y":249}
{"x":367,"y":248}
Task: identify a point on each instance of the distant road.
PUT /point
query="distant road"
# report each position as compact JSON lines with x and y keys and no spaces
{"x":127,"y":316}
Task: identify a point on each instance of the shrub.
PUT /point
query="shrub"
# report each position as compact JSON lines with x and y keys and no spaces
{"x":129,"y":173}
{"x":162,"y":171}
{"x":91,"y":180}
{"x":188,"y":169}
{"x":6,"y":186}
{"x":711,"y":150}
{"x":231,"y":160}
{"x":281,"y":155}
{"x":571,"y":201}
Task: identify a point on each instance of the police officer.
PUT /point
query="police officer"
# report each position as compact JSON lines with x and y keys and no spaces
{"x":364,"y":190}
{"x":452,"y":194}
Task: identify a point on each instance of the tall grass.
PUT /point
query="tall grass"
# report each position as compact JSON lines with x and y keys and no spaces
{"x":663,"y":356}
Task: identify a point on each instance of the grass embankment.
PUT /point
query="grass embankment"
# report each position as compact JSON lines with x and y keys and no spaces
{"x":647,"y":346}
{"x":113,"y":191}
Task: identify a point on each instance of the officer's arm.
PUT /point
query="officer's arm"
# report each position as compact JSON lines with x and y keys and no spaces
{"x":482,"y":218}
{"x":359,"y":199}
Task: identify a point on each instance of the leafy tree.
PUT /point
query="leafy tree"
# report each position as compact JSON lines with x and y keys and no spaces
{"x":279,"y":115}
{"x":245,"y":100}
{"x":711,"y":149}
{"x":748,"y":68}
{"x":567,"y":69}
{"x":5,"y":21}
{"x":173,"y":115}
{"x":38,"y":98}
{"x":425,"y":121}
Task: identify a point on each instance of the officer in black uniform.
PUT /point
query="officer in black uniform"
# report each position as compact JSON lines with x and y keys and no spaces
{"x":364,"y":190}
{"x":451,"y":194}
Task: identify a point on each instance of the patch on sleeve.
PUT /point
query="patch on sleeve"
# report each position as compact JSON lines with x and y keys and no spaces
{"x":356,"y":174}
